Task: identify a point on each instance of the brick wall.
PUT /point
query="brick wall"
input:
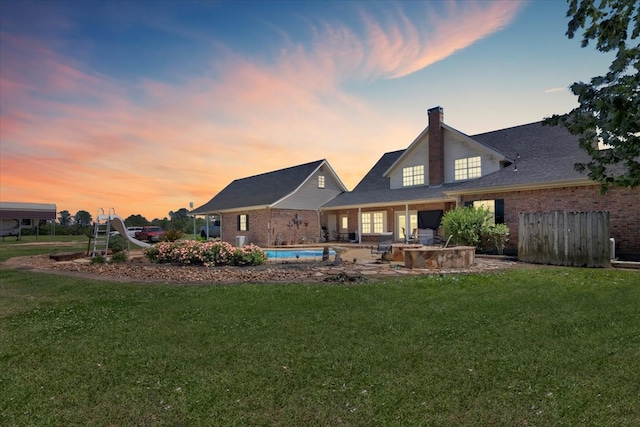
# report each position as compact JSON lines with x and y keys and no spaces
{"x":623,"y":206}
{"x":391,"y":216}
{"x":266,"y":225}
{"x":436,"y":147}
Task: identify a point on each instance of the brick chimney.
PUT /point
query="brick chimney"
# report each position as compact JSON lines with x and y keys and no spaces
{"x":436,"y":146}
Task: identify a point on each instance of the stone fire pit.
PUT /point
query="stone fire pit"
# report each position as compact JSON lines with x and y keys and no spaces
{"x":429,"y":257}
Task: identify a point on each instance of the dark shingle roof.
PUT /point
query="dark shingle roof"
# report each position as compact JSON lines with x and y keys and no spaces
{"x":374,"y":188}
{"x":259,"y":190}
{"x":542,"y":154}
{"x":532,"y":140}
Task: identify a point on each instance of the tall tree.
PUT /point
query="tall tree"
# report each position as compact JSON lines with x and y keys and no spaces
{"x":608,"y":114}
{"x":64,"y":218}
{"x":180,"y":219}
{"x":136,"y":221}
{"x":83,"y":218}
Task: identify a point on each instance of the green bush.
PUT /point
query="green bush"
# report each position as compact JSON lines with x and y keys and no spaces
{"x":465,"y":225}
{"x":98,"y":259}
{"x":249,"y":255}
{"x":116,"y":243}
{"x":498,"y":235}
{"x":152,"y":253}
{"x":173,"y":235}
{"x":119,"y":257}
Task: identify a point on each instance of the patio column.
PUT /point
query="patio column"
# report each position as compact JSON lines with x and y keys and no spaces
{"x":359,"y":225}
{"x":407,"y":223}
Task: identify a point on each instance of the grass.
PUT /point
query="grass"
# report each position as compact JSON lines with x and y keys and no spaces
{"x":29,"y":245}
{"x":547,"y":346}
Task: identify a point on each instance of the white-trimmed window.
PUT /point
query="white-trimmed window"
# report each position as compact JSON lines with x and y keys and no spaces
{"x":468,"y":168}
{"x":320,"y":181}
{"x":373,"y":222}
{"x":243,"y":222}
{"x":413,"y":175}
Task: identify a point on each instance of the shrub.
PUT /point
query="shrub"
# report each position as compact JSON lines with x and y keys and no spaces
{"x":209,"y":253}
{"x":98,"y":259}
{"x":498,"y":235}
{"x":152,"y":253}
{"x":173,"y":235}
{"x":465,"y":225}
{"x":116,"y":243}
{"x":119,"y":257}
{"x":249,"y":255}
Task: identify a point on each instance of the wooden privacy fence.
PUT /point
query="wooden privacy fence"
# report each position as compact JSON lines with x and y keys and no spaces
{"x":579,"y":239}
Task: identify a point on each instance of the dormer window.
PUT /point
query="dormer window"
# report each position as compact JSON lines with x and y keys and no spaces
{"x":413,"y":175}
{"x":468,"y":168}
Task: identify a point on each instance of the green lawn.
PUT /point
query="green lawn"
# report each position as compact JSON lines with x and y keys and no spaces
{"x":540,"y":346}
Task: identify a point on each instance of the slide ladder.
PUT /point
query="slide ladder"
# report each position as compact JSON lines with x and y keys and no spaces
{"x":101,"y":232}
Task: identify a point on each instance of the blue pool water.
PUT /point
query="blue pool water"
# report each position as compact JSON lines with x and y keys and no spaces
{"x":293,"y":253}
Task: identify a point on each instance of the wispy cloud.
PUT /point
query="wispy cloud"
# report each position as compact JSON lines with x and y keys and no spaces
{"x":84,"y":140}
{"x":556,"y":89}
{"x":401,"y":45}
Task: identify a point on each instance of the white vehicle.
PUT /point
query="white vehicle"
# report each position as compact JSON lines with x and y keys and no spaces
{"x":131,"y":231}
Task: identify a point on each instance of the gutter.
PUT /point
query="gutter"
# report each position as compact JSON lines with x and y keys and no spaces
{"x":520,"y":187}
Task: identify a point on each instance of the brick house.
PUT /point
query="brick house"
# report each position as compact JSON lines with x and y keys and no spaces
{"x":525,"y":168}
{"x":275,"y":208}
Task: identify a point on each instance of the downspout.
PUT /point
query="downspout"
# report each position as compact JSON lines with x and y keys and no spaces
{"x":268,"y":227}
{"x":319,"y":230}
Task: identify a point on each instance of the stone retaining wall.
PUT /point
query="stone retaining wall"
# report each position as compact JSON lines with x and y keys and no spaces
{"x":456,"y":257}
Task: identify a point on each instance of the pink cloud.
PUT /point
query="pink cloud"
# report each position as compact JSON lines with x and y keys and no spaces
{"x":79,"y":138}
{"x":401,"y":46}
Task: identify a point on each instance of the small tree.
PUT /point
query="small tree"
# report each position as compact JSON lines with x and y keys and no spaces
{"x":65,"y":218}
{"x":136,"y":221}
{"x":498,"y":234}
{"x":465,"y":225}
{"x":82,"y":218}
{"x":116,"y":244}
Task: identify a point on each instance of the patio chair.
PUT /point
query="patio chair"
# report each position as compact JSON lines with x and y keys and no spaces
{"x":384,"y":245}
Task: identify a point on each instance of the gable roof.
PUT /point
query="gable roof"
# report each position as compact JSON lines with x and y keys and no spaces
{"x":263,"y":190}
{"x":374,"y":189}
{"x":542,"y":156}
{"x":478,"y":145}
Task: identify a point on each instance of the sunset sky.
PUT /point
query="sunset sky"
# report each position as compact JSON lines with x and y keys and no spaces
{"x":146,"y":106}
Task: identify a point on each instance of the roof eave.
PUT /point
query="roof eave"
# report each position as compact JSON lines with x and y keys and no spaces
{"x":519,"y":187}
{"x":415,"y":142}
{"x":323,"y":163}
{"x":390,"y":203}
{"x":221,"y":211}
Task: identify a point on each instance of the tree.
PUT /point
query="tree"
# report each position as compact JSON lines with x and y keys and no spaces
{"x":609,"y":106}
{"x":180,"y":219}
{"x":136,"y":221}
{"x":83,"y":218}
{"x":65,"y":218}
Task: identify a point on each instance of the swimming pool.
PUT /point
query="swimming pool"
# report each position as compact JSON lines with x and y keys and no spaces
{"x":307,"y":254}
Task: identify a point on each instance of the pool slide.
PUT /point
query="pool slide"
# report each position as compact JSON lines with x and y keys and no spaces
{"x":117,"y":224}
